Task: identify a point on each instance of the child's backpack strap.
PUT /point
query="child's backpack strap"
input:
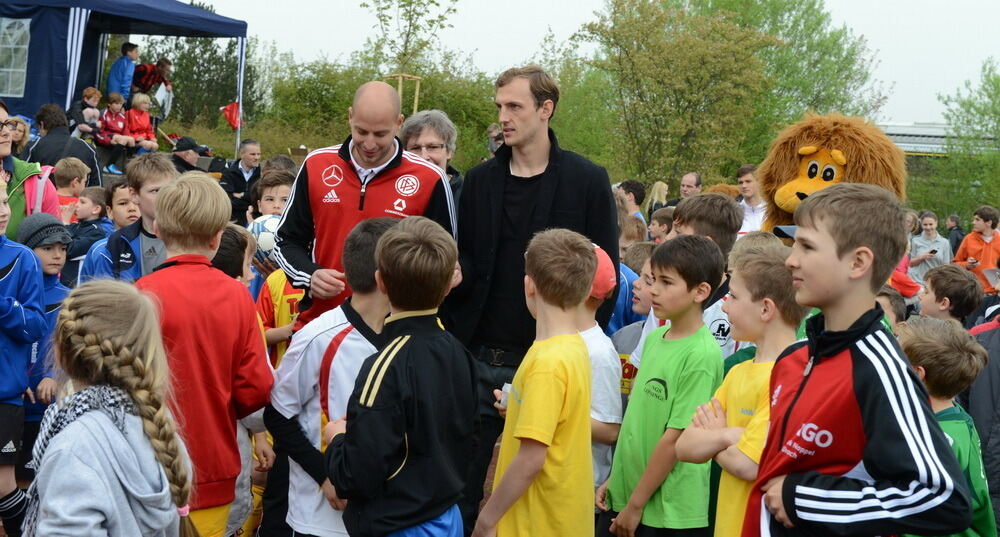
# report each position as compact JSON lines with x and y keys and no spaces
{"x":40,"y":188}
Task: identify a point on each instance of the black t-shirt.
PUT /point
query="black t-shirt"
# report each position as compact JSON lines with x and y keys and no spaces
{"x":506,"y":322}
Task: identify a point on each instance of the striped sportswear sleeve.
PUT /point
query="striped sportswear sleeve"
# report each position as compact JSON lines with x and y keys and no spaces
{"x":908,"y":481}
{"x":296,"y":233}
{"x":374,"y":448}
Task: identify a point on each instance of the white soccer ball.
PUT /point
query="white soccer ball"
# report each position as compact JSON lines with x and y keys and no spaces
{"x":265,"y":232}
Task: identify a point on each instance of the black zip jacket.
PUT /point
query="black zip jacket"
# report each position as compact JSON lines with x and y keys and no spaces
{"x":410,"y":424}
{"x":58,"y":144}
{"x":84,"y":234}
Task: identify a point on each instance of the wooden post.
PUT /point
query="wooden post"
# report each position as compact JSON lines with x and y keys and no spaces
{"x":400,"y":77}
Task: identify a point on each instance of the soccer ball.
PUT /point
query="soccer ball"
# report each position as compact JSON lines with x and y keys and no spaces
{"x":265,"y":232}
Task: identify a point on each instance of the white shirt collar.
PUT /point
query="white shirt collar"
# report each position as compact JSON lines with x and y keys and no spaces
{"x":366,"y":174}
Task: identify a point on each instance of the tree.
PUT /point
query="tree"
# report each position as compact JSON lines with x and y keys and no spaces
{"x":818,"y":67}
{"x":683,"y":86}
{"x":204,"y":76}
{"x":967,"y":177}
{"x":407,"y":31}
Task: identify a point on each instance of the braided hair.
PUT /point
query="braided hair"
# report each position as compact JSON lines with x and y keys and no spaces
{"x":108,"y":333}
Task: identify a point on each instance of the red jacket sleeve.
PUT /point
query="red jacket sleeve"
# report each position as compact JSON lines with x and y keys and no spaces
{"x":265,"y":306}
{"x":253,"y":377}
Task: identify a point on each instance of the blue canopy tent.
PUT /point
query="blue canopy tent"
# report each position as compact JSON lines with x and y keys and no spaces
{"x":51,"y":49}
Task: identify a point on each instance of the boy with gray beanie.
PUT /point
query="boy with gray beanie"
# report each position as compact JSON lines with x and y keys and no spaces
{"x":48,"y":238}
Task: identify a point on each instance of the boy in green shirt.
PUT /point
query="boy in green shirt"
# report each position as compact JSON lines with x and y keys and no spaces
{"x":948,"y":359}
{"x":650,"y":492}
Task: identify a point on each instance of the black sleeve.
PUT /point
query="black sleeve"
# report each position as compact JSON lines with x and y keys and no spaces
{"x":90,"y":157}
{"x":296,"y":233}
{"x":467,"y":229}
{"x":374,"y":446}
{"x":441,"y":207}
{"x":909,"y":480}
{"x":83,"y":238}
{"x":75,"y":114}
{"x":602,"y":228}
{"x":288,"y":437}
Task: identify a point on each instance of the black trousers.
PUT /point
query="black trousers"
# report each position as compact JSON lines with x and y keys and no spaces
{"x":603,"y":529}
{"x":491,"y":377}
{"x":275,"y":501}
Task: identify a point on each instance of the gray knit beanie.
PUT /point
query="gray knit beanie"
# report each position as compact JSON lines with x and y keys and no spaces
{"x":42,"y":229}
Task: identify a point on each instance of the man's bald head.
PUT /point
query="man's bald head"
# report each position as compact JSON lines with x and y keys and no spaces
{"x":375,"y":119}
{"x":377,"y":94}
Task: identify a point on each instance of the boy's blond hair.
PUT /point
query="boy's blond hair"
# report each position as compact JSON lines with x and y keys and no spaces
{"x":634,"y":230}
{"x":70,"y":168}
{"x":147,"y":166}
{"x":754,"y":240}
{"x":637,"y":255}
{"x":711,"y":215}
{"x":950,"y":356}
{"x":858,"y":215}
{"x":140,"y":98}
{"x":191,"y":211}
{"x":416,"y":261}
{"x":765,"y":275}
{"x":561,"y":263}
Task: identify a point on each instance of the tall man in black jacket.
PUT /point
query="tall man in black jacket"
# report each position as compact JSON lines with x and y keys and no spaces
{"x":530,"y":185}
{"x":56,"y":143}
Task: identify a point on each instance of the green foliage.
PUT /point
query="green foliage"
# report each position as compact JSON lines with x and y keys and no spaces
{"x":407,"y":30}
{"x":683,"y":86}
{"x":204,"y":76}
{"x":967,"y":178}
{"x":818,"y":67}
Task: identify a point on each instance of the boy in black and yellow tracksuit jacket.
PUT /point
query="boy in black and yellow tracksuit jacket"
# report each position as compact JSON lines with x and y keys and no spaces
{"x":400,"y":459}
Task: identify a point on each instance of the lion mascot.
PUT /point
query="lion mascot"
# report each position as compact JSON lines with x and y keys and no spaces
{"x":820,"y":151}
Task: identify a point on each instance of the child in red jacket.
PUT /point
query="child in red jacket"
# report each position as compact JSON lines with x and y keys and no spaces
{"x":114,"y":131}
{"x":139,"y":123}
{"x":213,"y":339}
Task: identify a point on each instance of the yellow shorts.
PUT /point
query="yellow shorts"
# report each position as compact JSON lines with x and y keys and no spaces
{"x":211,"y":522}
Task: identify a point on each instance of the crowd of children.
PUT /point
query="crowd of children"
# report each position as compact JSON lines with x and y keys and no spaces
{"x":152,"y":381}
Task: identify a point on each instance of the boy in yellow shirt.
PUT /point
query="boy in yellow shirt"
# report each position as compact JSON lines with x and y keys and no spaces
{"x":733,"y":426}
{"x":544,"y":476}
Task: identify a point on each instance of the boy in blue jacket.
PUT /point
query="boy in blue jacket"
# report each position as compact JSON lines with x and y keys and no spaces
{"x":22,"y":322}
{"x":134,"y":250}
{"x":49,"y":240}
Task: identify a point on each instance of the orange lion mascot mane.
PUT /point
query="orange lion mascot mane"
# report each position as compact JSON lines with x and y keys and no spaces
{"x":820,"y":151}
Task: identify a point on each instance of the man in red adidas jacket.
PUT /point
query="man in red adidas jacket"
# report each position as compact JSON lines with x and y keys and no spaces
{"x":367,"y":176}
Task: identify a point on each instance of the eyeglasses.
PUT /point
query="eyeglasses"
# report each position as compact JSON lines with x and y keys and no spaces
{"x":430,"y":147}
{"x":10,"y":124}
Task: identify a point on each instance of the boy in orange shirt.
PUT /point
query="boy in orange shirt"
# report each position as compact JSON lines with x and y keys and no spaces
{"x":980,"y":249}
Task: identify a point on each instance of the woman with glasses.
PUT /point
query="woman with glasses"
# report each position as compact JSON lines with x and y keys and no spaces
{"x":431,"y":135}
{"x":29,"y":190}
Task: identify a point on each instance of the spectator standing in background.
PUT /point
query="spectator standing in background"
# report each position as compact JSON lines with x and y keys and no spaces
{"x":753,"y":205}
{"x":148,"y":75}
{"x":432,"y":135}
{"x":240,"y":178}
{"x":955,"y":232}
{"x":690,"y":185}
{"x":123,"y":70}
{"x":929,"y":249}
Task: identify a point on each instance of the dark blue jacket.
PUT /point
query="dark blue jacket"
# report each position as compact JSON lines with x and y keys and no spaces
{"x":22,"y":320}
{"x":117,"y":257}
{"x":40,"y":364}
{"x":85,"y":235}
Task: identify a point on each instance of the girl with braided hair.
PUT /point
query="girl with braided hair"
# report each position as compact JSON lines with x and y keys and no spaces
{"x":108,"y":457}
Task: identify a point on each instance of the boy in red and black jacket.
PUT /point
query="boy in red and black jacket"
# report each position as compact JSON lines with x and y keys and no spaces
{"x":213,"y":339}
{"x":853,"y":447}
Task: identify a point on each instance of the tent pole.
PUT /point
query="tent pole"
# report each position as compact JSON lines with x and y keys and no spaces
{"x":242,"y":44}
